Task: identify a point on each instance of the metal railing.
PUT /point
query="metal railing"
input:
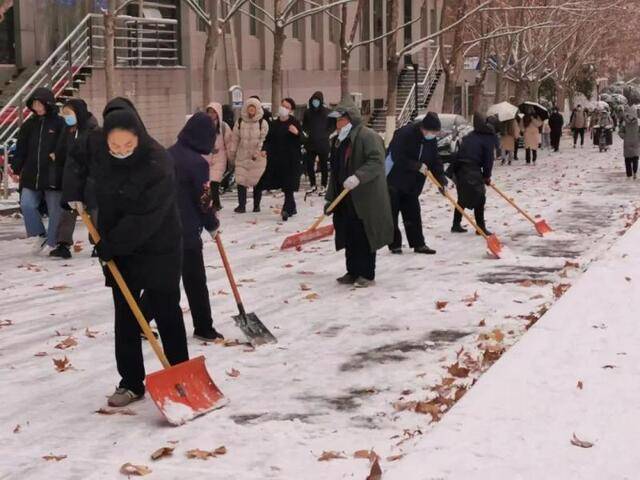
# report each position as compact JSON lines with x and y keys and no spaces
{"x":139,"y":43}
{"x":409,"y":106}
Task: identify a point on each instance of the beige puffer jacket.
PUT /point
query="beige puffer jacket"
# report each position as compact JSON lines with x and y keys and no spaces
{"x":532,"y":134}
{"x":246,"y":145}
{"x":218,"y":160}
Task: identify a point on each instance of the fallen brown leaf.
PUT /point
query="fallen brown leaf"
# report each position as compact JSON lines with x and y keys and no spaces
{"x":482,"y":323}
{"x":57,"y":458}
{"x":628,"y":279}
{"x":59,"y":288}
{"x":569,"y":264}
{"x":460,"y":391}
{"x":560,"y":289}
{"x":115,"y":411}
{"x":497,"y":335}
{"x":609,"y":367}
{"x":402,"y":406}
{"x":222,"y":450}
{"x":430,"y":408}
{"x":162,"y":452}
{"x":233,"y":373}
{"x":370,"y":455}
{"x":5,"y":323}
{"x":580,"y":385}
{"x":470,"y":300}
{"x":67,"y":343}
{"x":199,"y":454}
{"x":457,"y":371}
{"x":90,"y":333}
{"x":40,"y":354}
{"x":394,"y":458}
{"x":330,"y":455}
{"x":312,"y":296}
{"x":62,"y":364}
{"x":376,"y":471}
{"x":136,"y":470}
{"x":17,"y":429}
{"x":304,"y":287}
{"x":227,"y":343}
{"x":580,"y":443}
{"x":441,"y":305}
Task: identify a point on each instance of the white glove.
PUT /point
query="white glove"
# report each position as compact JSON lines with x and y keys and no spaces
{"x":77,"y":206}
{"x":424,"y":169}
{"x":351,"y":182}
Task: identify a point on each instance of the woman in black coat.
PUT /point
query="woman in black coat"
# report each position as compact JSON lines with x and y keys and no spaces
{"x":284,"y":156}
{"x":140,"y":228}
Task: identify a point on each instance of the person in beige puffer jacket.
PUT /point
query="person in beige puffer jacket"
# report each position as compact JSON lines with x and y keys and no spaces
{"x":218,"y":159}
{"x":246,"y":152}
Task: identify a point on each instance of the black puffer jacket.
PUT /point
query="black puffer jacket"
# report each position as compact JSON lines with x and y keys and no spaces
{"x":37,"y":141}
{"x":138,"y":210}
{"x":317,"y":125}
{"x":284,"y":156}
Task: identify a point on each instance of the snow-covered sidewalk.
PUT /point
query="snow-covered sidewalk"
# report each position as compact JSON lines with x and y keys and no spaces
{"x":576,"y":372}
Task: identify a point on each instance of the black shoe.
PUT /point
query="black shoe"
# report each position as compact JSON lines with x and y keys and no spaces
{"x":346,"y":279}
{"x":457,"y":228}
{"x":509,"y":163}
{"x":395,"y":250}
{"x":486,"y":232}
{"x":256,"y":209}
{"x":425,"y":249}
{"x":285,"y":216}
{"x":61,"y":251}
{"x":240,"y":209}
{"x":208,"y":335}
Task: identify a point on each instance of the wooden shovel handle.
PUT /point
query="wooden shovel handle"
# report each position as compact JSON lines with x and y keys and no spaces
{"x":227,"y":268}
{"x":455,"y":204}
{"x":513,"y":204}
{"x":133,"y":305}
{"x":330,"y":209}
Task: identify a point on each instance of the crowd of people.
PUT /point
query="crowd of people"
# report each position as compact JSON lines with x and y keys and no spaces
{"x":151,"y":204}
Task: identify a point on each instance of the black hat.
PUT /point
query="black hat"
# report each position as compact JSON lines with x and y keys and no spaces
{"x":431,"y":122}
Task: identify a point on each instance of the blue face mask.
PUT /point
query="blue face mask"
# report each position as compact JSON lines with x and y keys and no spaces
{"x":315,"y":102}
{"x":429,"y":137}
{"x":70,"y":120}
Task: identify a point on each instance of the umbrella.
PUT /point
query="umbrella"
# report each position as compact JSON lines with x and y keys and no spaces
{"x":504,"y":110}
{"x":539,"y":110}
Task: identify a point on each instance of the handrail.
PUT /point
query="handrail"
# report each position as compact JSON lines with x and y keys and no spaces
{"x":409,"y":104}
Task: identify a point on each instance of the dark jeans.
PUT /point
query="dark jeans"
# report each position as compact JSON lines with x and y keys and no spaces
{"x":165,"y":309}
{"x":631,"y":164}
{"x":531,"y":153}
{"x":310,"y":160}
{"x":194,"y":279}
{"x":67,"y":226}
{"x":409,"y":206}
{"x":576,"y":132}
{"x":478,"y":212}
{"x":555,"y":140}
{"x":361,"y":262}
{"x":242,"y":196}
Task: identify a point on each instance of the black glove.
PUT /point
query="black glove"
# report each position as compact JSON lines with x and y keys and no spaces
{"x":104,"y":251}
{"x":487,"y":181}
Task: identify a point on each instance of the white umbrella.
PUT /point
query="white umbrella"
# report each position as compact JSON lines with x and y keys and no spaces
{"x":504,"y":110}
{"x":600,"y":105}
{"x":539,"y":110}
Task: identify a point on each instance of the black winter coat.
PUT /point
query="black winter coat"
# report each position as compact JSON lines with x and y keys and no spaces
{"x":317,"y":126}
{"x":556,"y":122}
{"x":37,"y":141}
{"x":284,"y":156}
{"x":196,"y":139}
{"x":409,"y":151}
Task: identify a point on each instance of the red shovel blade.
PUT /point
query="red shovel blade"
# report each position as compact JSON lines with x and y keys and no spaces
{"x":307,"y":236}
{"x":494,"y":246}
{"x":542,"y":227}
{"x":184,"y":391}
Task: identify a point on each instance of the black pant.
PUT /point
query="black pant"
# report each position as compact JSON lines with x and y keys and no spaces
{"x":529,"y":155}
{"x":242,"y":196}
{"x":289,"y":203}
{"x":515,"y":149}
{"x":631,"y":164}
{"x":215,"y":195}
{"x":165,"y":309}
{"x":194,"y":279}
{"x":310,"y":160}
{"x":409,"y":206}
{"x":576,"y":132}
{"x":478,"y":212}
{"x":361,"y":262}
{"x":555,"y":139}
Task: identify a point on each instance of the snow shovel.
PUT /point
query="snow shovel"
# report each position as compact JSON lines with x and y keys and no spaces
{"x":541,"y":225}
{"x":183,"y":391}
{"x":314,"y":233}
{"x":255,"y":331}
{"x":493,"y":243}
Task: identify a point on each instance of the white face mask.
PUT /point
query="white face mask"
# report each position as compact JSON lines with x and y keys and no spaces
{"x":120,"y":156}
{"x":283,"y":112}
{"x":344,"y":132}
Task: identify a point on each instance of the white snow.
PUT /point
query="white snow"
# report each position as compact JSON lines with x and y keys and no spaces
{"x":177,"y":413}
{"x":342,"y":359}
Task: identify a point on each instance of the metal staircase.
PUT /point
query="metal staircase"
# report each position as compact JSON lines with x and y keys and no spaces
{"x":405,"y":107}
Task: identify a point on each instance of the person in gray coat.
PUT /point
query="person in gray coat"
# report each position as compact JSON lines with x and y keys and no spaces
{"x":629,"y":132}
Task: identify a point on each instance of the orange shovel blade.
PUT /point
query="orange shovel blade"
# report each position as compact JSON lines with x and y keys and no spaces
{"x":184,"y":391}
{"x":542,"y":227}
{"x":494,"y":246}
{"x":307,"y":236}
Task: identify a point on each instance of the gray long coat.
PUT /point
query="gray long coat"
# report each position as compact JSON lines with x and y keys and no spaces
{"x":630,"y":133}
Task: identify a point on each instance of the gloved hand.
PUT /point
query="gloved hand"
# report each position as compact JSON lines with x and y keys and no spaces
{"x":213,"y":233}
{"x":214,"y":227}
{"x":424,"y":169}
{"x":104,"y":251}
{"x":351,"y":182}
{"x":77,"y":206}
{"x":487,"y":181}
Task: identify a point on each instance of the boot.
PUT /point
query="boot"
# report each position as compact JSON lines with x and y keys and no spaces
{"x":215,"y":196}
{"x":346,"y":279}
{"x":61,"y":251}
{"x":425,"y":249}
{"x":457,"y":228}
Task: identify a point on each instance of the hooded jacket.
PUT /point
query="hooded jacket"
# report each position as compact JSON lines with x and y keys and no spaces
{"x":190,"y":153}
{"x":532,"y":137}
{"x":370,"y":199}
{"x":34,"y":159}
{"x":556,"y":122}
{"x":630,"y":133}
{"x":247,"y":143}
{"x":317,"y":125}
{"x":136,"y":197}
{"x":284,"y":156}
{"x":578,"y":119}
{"x":224,"y":137}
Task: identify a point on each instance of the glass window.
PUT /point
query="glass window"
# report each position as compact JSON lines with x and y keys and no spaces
{"x":316,"y":24}
{"x":201,"y":25}
{"x":334,"y":25}
{"x":297,"y":27}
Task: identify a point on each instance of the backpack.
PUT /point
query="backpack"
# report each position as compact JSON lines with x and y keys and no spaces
{"x":259,"y":121}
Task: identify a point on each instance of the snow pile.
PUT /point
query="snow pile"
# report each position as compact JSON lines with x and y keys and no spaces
{"x":177,"y":413}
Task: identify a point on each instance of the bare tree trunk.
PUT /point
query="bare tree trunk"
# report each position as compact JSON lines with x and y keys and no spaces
{"x":450,"y":80}
{"x":344,"y":73}
{"x":109,"y":47}
{"x":209,"y":54}
{"x":276,"y":75}
{"x":499,"y":87}
{"x":560,"y":96}
{"x":534,"y":89}
{"x":478,"y":90}
{"x":522,"y":90}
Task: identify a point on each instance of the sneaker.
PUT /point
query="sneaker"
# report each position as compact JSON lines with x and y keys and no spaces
{"x":458,"y":229}
{"x":362,"y":282}
{"x":123,"y":397}
{"x":346,"y":279}
{"x":208,"y":335}
{"x":61,"y":251}
{"x":322,"y":191}
{"x":313,"y":189}
{"x":38,"y":243}
{"x":46,"y":250}
{"x":240,"y":209}
{"x":425,"y":249}
{"x":396,"y":251}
